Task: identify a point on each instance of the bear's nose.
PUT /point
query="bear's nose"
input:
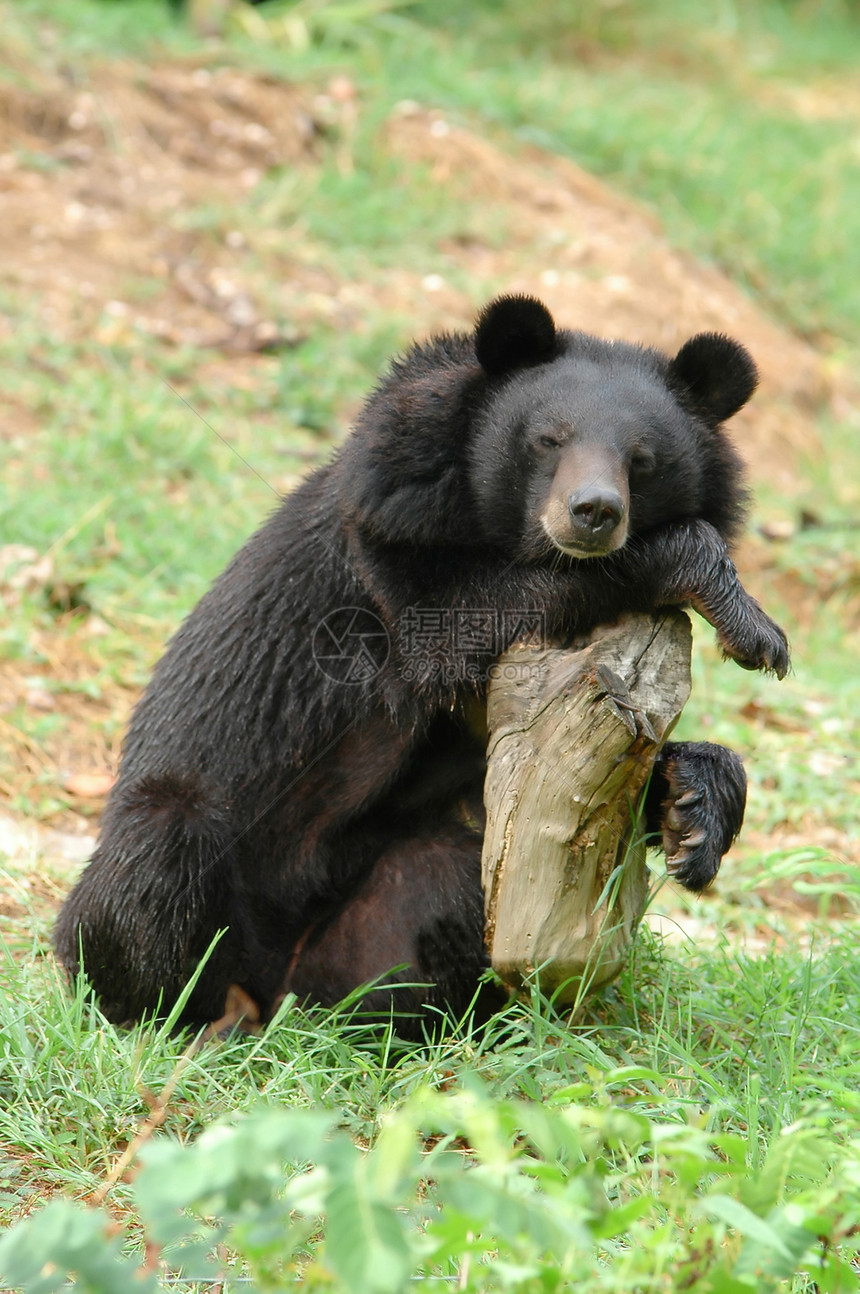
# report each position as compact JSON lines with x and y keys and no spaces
{"x":596,"y":513}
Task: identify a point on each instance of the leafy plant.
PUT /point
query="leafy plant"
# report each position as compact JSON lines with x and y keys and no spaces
{"x":506,"y":1195}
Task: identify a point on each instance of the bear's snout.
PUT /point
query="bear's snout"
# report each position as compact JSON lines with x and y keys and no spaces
{"x":587,"y":523}
{"x":587,"y":512}
{"x":595,"y":514}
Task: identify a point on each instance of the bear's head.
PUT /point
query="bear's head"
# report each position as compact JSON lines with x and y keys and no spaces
{"x":542,"y":441}
{"x":579,"y":443}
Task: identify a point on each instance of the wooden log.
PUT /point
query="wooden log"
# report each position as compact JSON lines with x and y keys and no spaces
{"x":573,"y":737}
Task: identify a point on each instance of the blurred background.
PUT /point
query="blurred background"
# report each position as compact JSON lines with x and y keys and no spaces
{"x":220,"y":219}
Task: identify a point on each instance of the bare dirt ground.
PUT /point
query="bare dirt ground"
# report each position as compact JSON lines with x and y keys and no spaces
{"x":102,"y":181}
{"x":99,"y":180}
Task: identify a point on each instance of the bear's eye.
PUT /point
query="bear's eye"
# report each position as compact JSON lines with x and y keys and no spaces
{"x":642,"y":462}
{"x":549,"y":442}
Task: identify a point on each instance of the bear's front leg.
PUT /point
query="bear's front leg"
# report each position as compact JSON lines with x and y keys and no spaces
{"x":697,"y":570}
{"x":695,"y":805}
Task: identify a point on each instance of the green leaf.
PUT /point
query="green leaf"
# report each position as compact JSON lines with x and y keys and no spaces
{"x":392,"y":1165}
{"x":63,"y":1240}
{"x":230,"y":1168}
{"x":795,"y":1240}
{"x":365,"y":1244}
{"x":615,"y":1222}
{"x":726,"y":1209}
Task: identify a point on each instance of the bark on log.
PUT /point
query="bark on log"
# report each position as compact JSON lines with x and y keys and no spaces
{"x":573,"y":737}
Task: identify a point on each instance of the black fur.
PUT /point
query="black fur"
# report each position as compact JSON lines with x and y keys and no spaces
{"x":695,"y":805}
{"x":331,"y":822}
{"x":512,"y":332}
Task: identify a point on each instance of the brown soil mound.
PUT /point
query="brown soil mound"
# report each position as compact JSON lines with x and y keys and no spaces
{"x":603,"y":265}
{"x":99,"y":179}
{"x":103,"y":176}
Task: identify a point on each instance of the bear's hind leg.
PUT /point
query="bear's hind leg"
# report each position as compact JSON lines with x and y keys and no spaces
{"x":159,"y":886}
{"x":696,"y":803}
{"x":421,"y":908}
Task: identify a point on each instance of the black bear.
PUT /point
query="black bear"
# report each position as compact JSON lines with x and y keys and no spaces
{"x":305,"y":772}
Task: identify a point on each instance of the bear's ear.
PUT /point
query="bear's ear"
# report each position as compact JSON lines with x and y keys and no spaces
{"x":717,"y":373}
{"x":513,"y":332}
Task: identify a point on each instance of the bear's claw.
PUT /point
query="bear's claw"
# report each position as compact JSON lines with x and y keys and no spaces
{"x":765,"y":647}
{"x":701,"y":811}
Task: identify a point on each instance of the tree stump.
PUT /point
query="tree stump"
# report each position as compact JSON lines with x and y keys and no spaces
{"x":573,"y":737}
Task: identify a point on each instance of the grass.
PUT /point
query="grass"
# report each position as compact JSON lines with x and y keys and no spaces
{"x":141,"y":469}
{"x":706,"y":121}
{"x":742,"y":1053}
